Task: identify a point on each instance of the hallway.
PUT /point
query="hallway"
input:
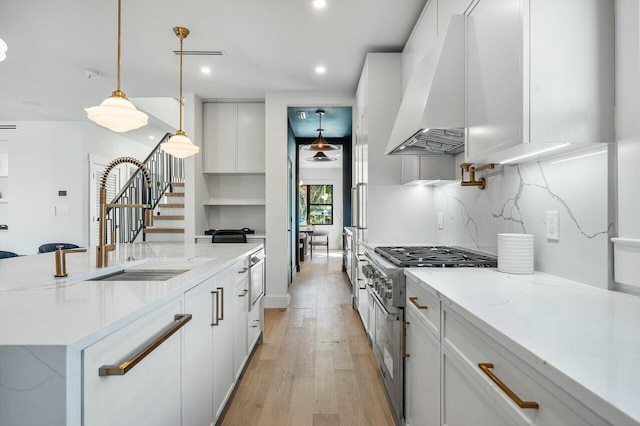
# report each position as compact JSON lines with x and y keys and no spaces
{"x":315,"y":366}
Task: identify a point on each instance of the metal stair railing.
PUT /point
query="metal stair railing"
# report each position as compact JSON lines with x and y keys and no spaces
{"x":164,"y":169}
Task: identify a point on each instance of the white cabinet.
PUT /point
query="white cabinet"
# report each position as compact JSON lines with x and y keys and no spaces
{"x":255,"y":324}
{"x":198,"y":356}
{"x":149,"y":392}
{"x":223,"y":345}
{"x":539,"y":77}
{"x":240,"y":311}
{"x":234,"y":138}
{"x":422,"y":373}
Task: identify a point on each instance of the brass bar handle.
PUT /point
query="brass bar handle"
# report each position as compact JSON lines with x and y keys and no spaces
{"x":414,"y":300}
{"x":486,"y":368}
{"x":361,"y":288}
{"x":221,"y":304}
{"x":243,"y":293}
{"x":404,"y":339}
{"x":214,"y":315}
{"x":243,"y":270}
{"x":255,"y":324}
{"x":120,"y":370}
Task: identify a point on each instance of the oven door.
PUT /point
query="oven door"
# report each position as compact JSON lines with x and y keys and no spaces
{"x":386,"y":348}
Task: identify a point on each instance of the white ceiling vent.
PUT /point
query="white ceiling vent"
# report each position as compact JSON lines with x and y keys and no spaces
{"x":200,"y":53}
{"x":8,"y":127}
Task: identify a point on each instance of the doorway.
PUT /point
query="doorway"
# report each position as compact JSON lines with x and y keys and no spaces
{"x":322,"y":187}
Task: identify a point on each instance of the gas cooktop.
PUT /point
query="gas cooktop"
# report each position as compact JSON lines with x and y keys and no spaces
{"x":436,"y":256}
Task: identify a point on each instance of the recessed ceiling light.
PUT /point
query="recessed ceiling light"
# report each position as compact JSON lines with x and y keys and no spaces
{"x":152,"y":137}
{"x":320,"y":69}
{"x":205,"y":70}
{"x":319,"y":4}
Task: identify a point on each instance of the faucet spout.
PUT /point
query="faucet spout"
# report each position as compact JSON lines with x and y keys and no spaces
{"x":103,"y":249}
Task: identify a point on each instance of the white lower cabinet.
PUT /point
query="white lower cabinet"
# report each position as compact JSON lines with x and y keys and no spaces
{"x":462,"y":403}
{"x":255,"y":324}
{"x":148,"y":393}
{"x":422,"y":373}
{"x":197,"y":367}
{"x":363,"y":304}
{"x":240,"y":321}
{"x":223,"y":372}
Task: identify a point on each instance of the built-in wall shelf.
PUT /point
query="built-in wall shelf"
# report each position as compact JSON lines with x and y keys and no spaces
{"x":235,"y":202}
{"x":231,"y":173}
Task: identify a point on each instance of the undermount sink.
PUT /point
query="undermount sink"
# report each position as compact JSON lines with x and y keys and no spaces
{"x":141,"y":275}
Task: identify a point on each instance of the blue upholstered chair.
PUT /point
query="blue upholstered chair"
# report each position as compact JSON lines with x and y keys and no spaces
{"x":49,"y":247}
{"x":7,"y":254}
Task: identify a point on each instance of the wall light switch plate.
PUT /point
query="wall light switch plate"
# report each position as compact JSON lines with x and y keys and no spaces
{"x":552,"y":226}
{"x":440,"y":220}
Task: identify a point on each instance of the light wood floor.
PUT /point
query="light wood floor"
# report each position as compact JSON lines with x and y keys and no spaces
{"x":315,"y":366}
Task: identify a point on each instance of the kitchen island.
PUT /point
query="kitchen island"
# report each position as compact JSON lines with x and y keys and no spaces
{"x":48,"y":324}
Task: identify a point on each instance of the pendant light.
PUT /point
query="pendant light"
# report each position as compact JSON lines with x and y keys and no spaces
{"x":117,"y":113}
{"x":320,"y":156}
{"x":320,"y":143}
{"x":179,"y":145}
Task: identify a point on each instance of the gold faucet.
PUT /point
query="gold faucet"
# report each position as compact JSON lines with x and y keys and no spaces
{"x":61,"y":262}
{"x":103,"y":249}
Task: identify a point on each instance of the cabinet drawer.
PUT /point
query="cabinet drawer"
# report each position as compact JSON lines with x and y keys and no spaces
{"x":424,"y":303}
{"x":255,"y":322}
{"x":149,"y":392}
{"x":469,"y":347}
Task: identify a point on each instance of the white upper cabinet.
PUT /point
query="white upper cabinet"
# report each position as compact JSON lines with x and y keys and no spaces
{"x":234,"y":138}
{"x":539,"y":77}
{"x":251,"y":138}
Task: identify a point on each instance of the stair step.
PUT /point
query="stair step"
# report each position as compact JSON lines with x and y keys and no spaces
{"x":174,"y":194}
{"x":169,"y":217}
{"x":178,"y":184}
{"x":163,"y":231}
{"x":171,"y":206}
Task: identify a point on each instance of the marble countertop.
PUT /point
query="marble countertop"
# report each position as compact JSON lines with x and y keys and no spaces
{"x":38,"y":309}
{"x":584,"y":339}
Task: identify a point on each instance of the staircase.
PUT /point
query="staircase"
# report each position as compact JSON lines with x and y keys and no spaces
{"x":167,"y":221}
{"x":164,"y":221}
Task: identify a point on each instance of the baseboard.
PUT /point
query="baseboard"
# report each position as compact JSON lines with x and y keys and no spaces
{"x":277,"y":301}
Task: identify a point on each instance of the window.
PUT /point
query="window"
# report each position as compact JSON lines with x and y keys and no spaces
{"x":316,"y":204}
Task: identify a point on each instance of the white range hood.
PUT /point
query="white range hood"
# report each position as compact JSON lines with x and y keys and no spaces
{"x":430,"y":120}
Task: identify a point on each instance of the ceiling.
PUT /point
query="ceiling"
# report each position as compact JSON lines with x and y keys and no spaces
{"x":336,"y":122}
{"x":270,"y":46}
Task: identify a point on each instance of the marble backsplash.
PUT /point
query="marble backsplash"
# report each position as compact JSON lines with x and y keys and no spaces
{"x":516,"y":200}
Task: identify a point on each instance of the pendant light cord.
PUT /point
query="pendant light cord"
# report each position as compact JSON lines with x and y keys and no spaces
{"x":119,"y":26}
{"x":180,"y":100}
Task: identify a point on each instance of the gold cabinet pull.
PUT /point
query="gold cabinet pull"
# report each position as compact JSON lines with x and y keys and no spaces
{"x":414,"y":300}
{"x":486,"y":368}
{"x":120,"y":370}
{"x":221,"y":303}
{"x":215,"y":303}
{"x":361,"y":288}
{"x":243,"y":293}
{"x":255,"y":324}
{"x":404,"y":339}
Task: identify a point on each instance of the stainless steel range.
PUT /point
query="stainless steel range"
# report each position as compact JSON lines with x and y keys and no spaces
{"x":386,"y":283}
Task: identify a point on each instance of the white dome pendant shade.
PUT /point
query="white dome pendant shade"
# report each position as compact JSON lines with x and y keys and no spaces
{"x":320,"y":144}
{"x":117,"y":113}
{"x":179,"y":145}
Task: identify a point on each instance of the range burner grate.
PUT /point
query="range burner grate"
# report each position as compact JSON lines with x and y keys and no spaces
{"x":436,"y":256}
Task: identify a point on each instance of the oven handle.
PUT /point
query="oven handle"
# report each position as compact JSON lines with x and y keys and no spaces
{"x":387,"y":316}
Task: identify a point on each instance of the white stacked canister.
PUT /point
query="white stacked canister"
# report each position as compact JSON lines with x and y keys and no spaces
{"x":515,"y":253}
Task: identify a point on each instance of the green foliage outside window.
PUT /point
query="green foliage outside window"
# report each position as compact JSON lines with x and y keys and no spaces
{"x":316,"y":204}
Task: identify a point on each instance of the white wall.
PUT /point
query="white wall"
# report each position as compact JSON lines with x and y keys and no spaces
{"x":48,"y":156}
{"x":328,"y":176}
{"x":276,"y":183}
